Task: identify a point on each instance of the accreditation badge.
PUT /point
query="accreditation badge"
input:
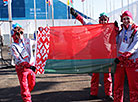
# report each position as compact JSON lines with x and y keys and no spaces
{"x":24,"y":54}
{"x":123,"y":47}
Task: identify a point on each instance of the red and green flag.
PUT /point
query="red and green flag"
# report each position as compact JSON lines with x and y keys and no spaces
{"x":79,"y":49}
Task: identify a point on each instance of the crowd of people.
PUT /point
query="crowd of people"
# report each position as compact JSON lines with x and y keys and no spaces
{"x":127,"y":60}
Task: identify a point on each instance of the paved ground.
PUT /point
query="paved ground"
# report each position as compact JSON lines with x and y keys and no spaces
{"x":51,"y":87}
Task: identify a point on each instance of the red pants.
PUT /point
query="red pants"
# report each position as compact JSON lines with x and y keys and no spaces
{"x":129,"y":69}
{"x":27,"y":82}
{"x":107,"y":84}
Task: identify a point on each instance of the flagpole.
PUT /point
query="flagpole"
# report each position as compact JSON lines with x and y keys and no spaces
{"x":92,"y":8}
{"x":106,"y":6}
{"x":67,"y":12}
{"x":122,"y":4}
{"x":128,"y":4}
{"x":46,"y":10}
{"x":52,"y":14}
{"x":132,"y":8}
{"x":110,"y":7}
{"x":10,"y":21}
{"x":114,"y":9}
{"x":87,"y":9}
{"x":49,"y":13}
{"x":10,"y":17}
{"x":83,"y":7}
{"x":35,"y":18}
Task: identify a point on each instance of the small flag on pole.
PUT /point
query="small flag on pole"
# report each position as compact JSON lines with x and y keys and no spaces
{"x":71,"y":3}
{"x":5,"y":2}
{"x":68,"y":2}
{"x":47,"y":1}
{"x":50,"y":2}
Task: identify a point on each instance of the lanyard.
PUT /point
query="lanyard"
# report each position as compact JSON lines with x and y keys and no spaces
{"x":22,"y":43}
{"x":24,"y":47}
{"x":125,"y":36}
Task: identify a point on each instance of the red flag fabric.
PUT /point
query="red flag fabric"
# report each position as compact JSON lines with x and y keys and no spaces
{"x":83,"y":42}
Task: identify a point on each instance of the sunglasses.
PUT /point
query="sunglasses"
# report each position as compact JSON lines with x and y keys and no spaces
{"x":18,"y":33}
{"x":103,"y":19}
{"x":21,"y":32}
{"x":126,"y":18}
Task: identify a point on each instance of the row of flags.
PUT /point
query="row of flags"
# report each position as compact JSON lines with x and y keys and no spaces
{"x":70,"y":3}
{"x":5,"y":2}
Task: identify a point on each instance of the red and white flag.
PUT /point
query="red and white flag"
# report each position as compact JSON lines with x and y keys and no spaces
{"x":42,"y":49}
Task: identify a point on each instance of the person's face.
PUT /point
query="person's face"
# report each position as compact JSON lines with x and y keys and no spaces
{"x":19,"y":35}
{"x":126,"y":20}
{"x":16,"y":28}
{"x":103,"y":20}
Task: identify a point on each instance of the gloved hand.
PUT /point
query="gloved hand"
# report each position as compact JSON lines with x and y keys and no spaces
{"x":73,"y":12}
{"x":123,"y":57}
{"x":116,"y":27}
{"x":116,"y":60}
{"x":126,"y":55}
{"x":33,"y":68}
{"x":119,"y":59}
{"x":116,"y":23}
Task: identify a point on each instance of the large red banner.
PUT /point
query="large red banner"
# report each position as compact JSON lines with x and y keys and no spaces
{"x":83,"y":42}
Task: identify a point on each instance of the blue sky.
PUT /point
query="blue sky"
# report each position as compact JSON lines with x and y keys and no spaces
{"x":94,"y":7}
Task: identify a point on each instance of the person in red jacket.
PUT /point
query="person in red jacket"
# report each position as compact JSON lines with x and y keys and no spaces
{"x":127,"y":60}
{"x":21,"y":51}
{"x":104,"y":18}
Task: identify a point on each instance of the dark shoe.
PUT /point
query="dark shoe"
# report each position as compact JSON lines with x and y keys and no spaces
{"x":93,"y":97}
{"x":109,"y":98}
